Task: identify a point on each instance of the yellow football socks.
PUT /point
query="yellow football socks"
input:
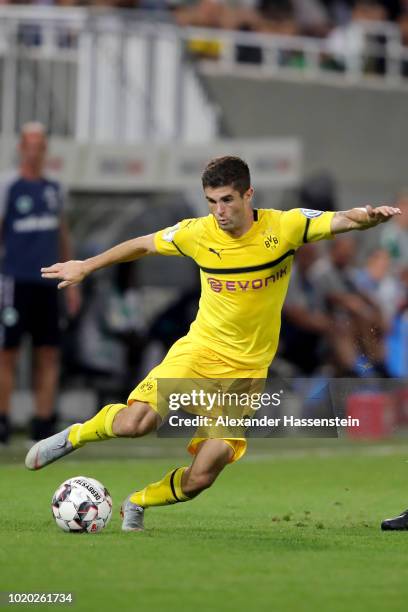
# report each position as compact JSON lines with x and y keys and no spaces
{"x":166,"y":491}
{"x":97,"y":428}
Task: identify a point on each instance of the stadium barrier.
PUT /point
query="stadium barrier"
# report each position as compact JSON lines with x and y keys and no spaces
{"x":120,"y":168}
{"x":131,"y":76}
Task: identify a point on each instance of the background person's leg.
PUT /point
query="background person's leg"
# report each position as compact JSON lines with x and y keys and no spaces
{"x":43,"y":323}
{"x":8,"y":365}
{"x":45,"y":377}
{"x":46,"y":372}
{"x":12,"y":328}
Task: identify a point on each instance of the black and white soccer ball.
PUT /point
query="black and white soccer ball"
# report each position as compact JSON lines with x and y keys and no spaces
{"x":82,"y":504}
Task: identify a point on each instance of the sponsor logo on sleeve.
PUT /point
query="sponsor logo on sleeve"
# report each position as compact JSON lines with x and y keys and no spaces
{"x":310,"y":213}
{"x":168,"y":236}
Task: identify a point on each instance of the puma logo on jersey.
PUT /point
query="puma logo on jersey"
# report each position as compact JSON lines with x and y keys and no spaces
{"x":215,"y":252}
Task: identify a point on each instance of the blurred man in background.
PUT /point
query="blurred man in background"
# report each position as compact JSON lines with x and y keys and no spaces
{"x":306,"y":327}
{"x":376,"y":280}
{"x":356,"y":315}
{"x":33,"y":233}
{"x":394,"y":238}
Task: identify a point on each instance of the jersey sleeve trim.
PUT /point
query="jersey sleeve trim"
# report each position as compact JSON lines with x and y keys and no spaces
{"x":178,"y":248}
{"x":306,"y":230}
{"x":176,"y":240}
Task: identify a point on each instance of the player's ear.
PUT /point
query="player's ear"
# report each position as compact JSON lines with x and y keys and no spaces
{"x":249,"y":194}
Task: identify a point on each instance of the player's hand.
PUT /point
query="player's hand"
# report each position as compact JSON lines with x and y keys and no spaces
{"x":380,"y":214}
{"x":69,"y":272}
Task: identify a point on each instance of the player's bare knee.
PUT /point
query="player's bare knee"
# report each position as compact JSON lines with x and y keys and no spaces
{"x":137,"y":426}
{"x":147,"y":424}
{"x":135,"y":420}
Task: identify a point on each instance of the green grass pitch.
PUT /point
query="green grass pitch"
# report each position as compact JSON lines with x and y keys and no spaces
{"x":284,"y":529}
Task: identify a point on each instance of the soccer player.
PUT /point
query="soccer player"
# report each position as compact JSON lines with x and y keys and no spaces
{"x":245,"y":257}
{"x":33,"y":233}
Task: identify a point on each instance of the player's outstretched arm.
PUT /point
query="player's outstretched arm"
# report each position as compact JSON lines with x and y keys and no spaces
{"x":362,"y":218}
{"x":73,"y":272}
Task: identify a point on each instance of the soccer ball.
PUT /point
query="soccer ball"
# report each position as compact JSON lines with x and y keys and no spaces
{"x":82,"y":504}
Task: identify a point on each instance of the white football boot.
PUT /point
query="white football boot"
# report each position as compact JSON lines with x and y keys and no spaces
{"x":132,"y":516}
{"x":49,"y":450}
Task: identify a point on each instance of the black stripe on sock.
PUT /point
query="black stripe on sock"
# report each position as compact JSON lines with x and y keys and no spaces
{"x":173,"y":490}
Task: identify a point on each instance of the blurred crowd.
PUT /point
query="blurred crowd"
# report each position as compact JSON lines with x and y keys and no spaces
{"x":347,"y":313}
{"x":350,"y":28}
{"x":288,"y":17}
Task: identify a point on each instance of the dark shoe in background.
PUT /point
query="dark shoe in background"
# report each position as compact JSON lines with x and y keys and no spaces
{"x":5,"y":429}
{"x":42,"y":428}
{"x":399,"y":523}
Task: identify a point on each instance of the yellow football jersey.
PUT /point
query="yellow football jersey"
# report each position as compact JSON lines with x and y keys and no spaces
{"x":243,"y":280}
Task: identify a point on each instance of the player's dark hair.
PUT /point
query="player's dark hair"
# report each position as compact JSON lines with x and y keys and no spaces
{"x":227,"y":171}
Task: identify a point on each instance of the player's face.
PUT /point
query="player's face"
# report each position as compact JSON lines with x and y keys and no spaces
{"x":32,"y":149}
{"x":228,"y":206}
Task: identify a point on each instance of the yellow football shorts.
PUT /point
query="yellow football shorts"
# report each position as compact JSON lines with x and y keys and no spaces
{"x":191,"y":361}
